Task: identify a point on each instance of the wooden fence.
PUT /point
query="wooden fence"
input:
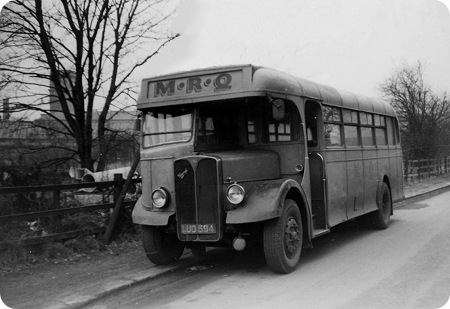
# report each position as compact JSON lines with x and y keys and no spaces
{"x":413,"y":170}
{"x":56,"y":210}
{"x":425,"y":168}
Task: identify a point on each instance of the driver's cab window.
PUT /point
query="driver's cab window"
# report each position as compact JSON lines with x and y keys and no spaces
{"x":284,"y":129}
{"x":206,"y":132}
{"x":217,"y":125}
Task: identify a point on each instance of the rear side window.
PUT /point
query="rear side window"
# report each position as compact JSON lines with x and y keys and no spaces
{"x":380,"y":130}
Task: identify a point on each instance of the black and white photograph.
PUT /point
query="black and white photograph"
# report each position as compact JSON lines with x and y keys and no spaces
{"x":224,"y":154}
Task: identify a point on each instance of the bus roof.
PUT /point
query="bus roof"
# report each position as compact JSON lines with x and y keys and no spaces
{"x":246,"y":80}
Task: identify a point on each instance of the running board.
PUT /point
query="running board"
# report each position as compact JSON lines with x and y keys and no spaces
{"x":318,"y":232}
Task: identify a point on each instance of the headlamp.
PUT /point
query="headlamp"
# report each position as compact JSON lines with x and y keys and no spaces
{"x":235,"y":194}
{"x":160,"y":198}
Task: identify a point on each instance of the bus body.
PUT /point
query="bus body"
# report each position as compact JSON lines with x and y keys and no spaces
{"x":238,"y":155}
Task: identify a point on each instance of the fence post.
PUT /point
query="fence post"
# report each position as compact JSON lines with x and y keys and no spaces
{"x":120,"y":197}
{"x":55,"y":203}
{"x":429,"y":168}
{"x":406,"y":170}
{"x":419,"y":169}
{"x":118,"y":179}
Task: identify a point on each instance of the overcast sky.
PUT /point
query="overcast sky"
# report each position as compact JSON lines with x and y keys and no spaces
{"x":348,"y":44}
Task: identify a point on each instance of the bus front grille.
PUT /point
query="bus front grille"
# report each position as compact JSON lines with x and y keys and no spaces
{"x":197,"y":190}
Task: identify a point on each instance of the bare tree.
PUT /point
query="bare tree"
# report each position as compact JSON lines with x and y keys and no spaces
{"x":87,"y":51}
{"x":422,"y":113}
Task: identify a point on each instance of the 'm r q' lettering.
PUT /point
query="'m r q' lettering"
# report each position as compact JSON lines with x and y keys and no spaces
{"x":194,"y":85}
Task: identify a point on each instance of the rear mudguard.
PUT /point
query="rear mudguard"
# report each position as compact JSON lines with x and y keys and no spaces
{"x":380,"y":185}
{"x":146,"y":217}
{"x":265,"y":201}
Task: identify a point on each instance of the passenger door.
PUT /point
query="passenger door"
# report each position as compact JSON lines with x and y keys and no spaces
{"x":313,"y":114}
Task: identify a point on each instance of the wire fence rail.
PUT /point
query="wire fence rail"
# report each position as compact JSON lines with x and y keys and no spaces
{"x":425,"y":168}
{"x":57,"y":209}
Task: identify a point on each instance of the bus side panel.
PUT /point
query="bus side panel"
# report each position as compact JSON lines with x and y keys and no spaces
{"x":355,"y":181}
{"x":336,"y":171}
{"x":290,"y":156}
{"x":384,"y":164}
{"x":371,"y":180}
{"x":396,"y":167}
{"x":264,"y":201}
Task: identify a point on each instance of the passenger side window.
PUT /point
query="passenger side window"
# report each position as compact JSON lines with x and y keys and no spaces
{"x":367,"y":138}
{"x":351,"y":131}
{"x":380,"y":130}
{"x":390,"y":131}
{"x":352,"y":128}
{"x":332,"y":126}
{"x":351,"y":135}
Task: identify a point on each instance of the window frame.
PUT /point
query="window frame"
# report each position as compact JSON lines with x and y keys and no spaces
{"x":363,"y":121}
{"x":336,"y":120}
{"x":292,"y":118}
{"x":145,"y":135}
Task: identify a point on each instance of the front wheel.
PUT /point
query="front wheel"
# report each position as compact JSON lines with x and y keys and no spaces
{"x":161,"y":247}
{"x":380,"y":218}
{"x":283,"y":238}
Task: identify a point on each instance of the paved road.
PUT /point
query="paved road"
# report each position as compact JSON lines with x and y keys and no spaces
{"x":405,"y":266}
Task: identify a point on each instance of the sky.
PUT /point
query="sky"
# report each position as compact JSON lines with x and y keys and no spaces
{"x":348,"y":44}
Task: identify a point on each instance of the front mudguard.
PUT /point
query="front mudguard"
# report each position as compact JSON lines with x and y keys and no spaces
{"x":147,"y":217}
{"x":264,"y":201}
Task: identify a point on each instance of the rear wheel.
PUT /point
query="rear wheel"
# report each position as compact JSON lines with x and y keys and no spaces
{"x":283,"y":238}
{"x":161,"y":247}
{"x":381,"y":217}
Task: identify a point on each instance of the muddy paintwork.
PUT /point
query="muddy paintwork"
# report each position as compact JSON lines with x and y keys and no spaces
{"x":249,"y":165}
{"x":269,"y":172}
{"x":263,"y":202}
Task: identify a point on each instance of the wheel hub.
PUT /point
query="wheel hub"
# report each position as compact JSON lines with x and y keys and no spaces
{"x":291,"y":236}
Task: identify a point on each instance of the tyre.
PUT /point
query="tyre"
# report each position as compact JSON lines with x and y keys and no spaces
{"x":160,"y":247}
{"x":381,"y":217}
{"x":283,"y":238}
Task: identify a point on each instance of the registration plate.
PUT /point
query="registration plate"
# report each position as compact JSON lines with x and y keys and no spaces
{"x":198,"y":229}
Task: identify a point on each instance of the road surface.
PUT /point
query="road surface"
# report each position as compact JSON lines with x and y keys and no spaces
{"x":404,"y":266}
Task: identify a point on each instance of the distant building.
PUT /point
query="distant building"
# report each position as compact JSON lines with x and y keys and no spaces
{"x":116,"y":120}
{"x":18,"y":139}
